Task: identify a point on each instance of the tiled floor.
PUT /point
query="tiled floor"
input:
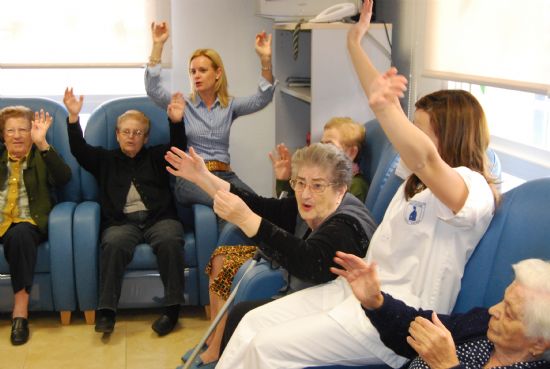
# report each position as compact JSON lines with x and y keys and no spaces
{"x":133,"y":345}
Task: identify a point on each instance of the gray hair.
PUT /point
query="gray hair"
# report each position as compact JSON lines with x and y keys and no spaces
{"x":327,"y":157}
{"x":534,"y":275}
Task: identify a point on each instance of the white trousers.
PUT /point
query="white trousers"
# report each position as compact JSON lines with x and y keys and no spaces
{"x":301,"y":330}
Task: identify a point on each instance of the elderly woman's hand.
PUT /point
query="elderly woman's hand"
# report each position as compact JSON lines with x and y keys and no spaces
{"x":433,"y":342}
{"x":188,"y":166}
{"x":39,"y":126}
{"x":176,"y":107}
{"x":232,"y":208}
{"x":362,"y":278}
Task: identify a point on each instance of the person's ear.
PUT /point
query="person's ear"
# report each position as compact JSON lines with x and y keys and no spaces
{"x":218,"y":73}
{"x":539,"y":346}
{"x":351,"y":152}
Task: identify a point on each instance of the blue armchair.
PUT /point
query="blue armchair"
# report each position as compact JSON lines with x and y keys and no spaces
{"x":53,"y":287}
{"x":142,"y":286}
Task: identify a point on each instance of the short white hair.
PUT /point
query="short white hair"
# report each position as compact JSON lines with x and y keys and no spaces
{"x":534,"y":276}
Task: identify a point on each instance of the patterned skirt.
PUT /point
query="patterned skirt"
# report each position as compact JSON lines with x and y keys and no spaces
{"x":234,"y":257}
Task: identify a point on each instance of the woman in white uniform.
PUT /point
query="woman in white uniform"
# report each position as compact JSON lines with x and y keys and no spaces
{"x":430,"y":229}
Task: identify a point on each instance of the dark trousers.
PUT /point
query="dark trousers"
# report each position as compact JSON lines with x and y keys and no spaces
{"x":236,"y":314}
{"x":20,"y":242}
{"x":118,"y":244}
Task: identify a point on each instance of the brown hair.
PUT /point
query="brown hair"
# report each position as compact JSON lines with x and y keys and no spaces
{"x":134,"y":114}
{"x":460,"y":126}
{"x":221,"y":83}
{"x":17,"y":111}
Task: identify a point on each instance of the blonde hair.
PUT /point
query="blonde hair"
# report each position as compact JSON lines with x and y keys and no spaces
{"x":134,"y":114}
{"x":17,"y":111}
{"x":352,"y":133}
{"x":221,"y":84}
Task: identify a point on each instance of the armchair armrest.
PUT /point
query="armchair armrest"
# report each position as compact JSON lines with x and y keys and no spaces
{"x":206,"y":237}
{"x":86,"y":223}
{"x":261,"y":282}
{"x":61,"y":256}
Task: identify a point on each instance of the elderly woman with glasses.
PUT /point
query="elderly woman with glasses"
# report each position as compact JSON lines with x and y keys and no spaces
{"x":303,"y":233}
{"x":515,"y":333}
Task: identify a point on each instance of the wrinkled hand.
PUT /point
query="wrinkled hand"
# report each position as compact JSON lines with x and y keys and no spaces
{"x":188,"y":166}
{"x":72,"y":104}
{"x":281,"y":162}
{"x":362,"y":278}
{"x":386,"y":89}
{"x":433,"y":342}
{"x":263,"y":44}
{"x":359,"y":29}
{"x":176,"y":108}
{"x":160,"y":32}
{"x":39,"y":126}
{"x":231,"y":207}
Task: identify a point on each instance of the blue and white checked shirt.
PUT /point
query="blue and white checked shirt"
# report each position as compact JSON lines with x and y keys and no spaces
{"x":208,"y":130}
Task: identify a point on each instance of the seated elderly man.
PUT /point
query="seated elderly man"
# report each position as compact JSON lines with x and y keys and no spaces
{"x":136,"y":207}
{"x":29,"y":168}
{"x":515,"y":333}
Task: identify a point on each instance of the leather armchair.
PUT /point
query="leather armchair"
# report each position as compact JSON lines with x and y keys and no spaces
{"x":142,"y":286}
{"x":53,"y":287}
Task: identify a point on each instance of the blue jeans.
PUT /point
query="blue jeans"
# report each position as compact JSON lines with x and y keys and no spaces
{"x":188,"y":193}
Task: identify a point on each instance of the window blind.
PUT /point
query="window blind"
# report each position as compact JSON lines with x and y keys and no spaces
{"x":503,"y":43}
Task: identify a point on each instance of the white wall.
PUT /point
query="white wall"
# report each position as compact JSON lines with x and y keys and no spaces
{"x":229,"y":27}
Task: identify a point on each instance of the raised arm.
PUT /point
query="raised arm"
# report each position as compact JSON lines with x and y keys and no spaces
{"x":160,"y":33}
{"x":416,"y":148}
{"x":263,"y":49}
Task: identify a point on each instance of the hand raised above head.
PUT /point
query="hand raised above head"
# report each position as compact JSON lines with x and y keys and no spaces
{"x":281,"y":162}
{"x":263,"y":44}
{"x":386,"y":89}
{"x":359,"y":29}
{"x":72,"y":104}
{"x":160,"y":32}
{"x":176,"y":108}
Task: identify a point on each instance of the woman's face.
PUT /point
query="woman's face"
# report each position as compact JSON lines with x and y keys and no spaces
{"x":317,"y":204}
{"x":506,"y":329}
{"x":203,"y":75}
{"x":422,"y":122}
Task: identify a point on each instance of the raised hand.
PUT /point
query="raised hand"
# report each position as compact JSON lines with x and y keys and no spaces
{"x":362,"y":278}
{"x":263,"y":44}
{"x":160,"y":32}
{"x":176,"y":108}
{"x":433,"y":342}
{"x":359,"y":29}
{"x":386,"y":89}
{"x":281,"y":162}
{"x":39,"y":126}
{"x":188,"y":166}
{"x":72,"y":104}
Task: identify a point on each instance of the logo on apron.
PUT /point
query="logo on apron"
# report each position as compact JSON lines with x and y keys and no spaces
{"x":414,"y":212}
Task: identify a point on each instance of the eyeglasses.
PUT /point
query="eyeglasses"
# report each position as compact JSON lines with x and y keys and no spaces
{"x":299,"y":185}
{"x":12,"y":131}
{"x":130,"y":133}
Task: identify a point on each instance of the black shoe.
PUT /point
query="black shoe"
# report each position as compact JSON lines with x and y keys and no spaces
{"x":164,"y":325}
{"x":105,"y":323}
{"x":19,"y":331}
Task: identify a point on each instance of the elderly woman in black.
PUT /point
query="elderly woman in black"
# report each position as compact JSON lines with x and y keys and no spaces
{"x":515,"y":333}
{"x":303,"y":233}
